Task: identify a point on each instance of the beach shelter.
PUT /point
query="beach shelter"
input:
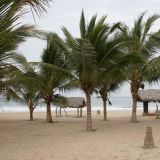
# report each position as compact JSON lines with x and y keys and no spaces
{"x":73,"y":102}
{"x":146,"y":96}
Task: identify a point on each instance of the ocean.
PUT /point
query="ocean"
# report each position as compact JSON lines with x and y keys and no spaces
{"x":118,"y":104}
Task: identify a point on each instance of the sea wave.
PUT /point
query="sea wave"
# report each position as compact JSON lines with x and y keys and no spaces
{"x":118,"y":104}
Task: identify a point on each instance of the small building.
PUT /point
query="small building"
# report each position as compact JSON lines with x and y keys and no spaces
{"x":74,"y":102}
{"x":146,"y":96}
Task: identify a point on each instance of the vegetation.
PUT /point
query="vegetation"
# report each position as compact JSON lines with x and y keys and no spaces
{"x":98,"y":61}
{"x":24,"y":86}
{"x":95,"y":56}
{"x":145,"y":44}
{"x":53,"y":74}
{"x":12,"y":33}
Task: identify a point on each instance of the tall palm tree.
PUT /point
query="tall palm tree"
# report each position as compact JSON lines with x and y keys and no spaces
{"x":143,"y":43}
{"x":82,"y":60}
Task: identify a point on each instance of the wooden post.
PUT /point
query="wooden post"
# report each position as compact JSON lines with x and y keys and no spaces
{"x":78,"y":112}
{"x":56,"y":112}
{"x":145,"y":108}
{"x":81,"y":112}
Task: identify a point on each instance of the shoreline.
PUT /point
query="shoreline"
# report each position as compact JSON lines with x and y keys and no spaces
{"x":71,"y":114}
{"x":94,"y":109}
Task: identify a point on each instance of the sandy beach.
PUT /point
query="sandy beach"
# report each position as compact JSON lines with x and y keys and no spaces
{"x":116,"y":139}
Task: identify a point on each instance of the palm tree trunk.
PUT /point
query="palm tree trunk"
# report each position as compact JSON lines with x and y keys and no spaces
{"x":31,"y":114}
{"x":134,"y":92}
{"x":31,"y":109}
{"x":104,"y":110}
{"x":89,"y":115}
{"x":81,"y":112}
{"x":104,"y":97}
{"x":49,"y":115}
{"x":77,"y":112}
{"x":134,"y":110}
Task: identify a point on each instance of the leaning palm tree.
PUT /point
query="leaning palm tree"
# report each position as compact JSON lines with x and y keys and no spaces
{"x":143,"y":43}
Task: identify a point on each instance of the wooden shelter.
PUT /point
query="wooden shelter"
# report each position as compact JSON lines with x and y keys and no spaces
{"x":146,"y":96}
{"x":73,"y":102}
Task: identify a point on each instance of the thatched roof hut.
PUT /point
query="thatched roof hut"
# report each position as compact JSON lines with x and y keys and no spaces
{"x":74,"y":102}
{"x":149,"y":95}
{"x":146,"y":96}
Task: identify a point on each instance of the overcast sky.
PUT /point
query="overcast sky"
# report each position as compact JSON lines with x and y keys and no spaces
{"x":67,"y":13}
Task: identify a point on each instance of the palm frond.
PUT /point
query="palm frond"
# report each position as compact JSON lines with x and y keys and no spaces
{"x":148,"y":24}
{"x":82,"y":25}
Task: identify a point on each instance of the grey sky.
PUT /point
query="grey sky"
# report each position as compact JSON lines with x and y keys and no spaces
{"x":67,"y":13}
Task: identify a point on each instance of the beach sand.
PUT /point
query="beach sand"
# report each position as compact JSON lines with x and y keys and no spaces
{"x":66,"y":139}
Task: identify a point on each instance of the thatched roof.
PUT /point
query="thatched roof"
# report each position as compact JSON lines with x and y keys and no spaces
{"x":74,"y":102}
{"x":150,"y":95}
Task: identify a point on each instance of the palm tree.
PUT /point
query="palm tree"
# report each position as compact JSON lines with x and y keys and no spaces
{"x":53,"y":74}
{"x":25,"y":90}
{"x":143,"y":43}
{"x":82,"y":61}
{"x":30,"y":95}
{"x":23,"y":85}
{"x":108,"y":83}
{"x":110,"y":59}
